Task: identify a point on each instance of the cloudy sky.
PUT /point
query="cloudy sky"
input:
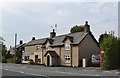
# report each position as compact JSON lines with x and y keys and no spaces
{"x":29,"y":19}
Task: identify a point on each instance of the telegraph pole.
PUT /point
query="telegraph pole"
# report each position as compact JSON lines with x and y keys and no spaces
{"x":15,"y":42}
{"x":56,"y":27}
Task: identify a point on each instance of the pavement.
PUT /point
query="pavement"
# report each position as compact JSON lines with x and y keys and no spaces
{"x":13,"y":70}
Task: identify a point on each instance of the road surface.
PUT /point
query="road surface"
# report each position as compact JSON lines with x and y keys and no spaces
{"x":13,"y":70}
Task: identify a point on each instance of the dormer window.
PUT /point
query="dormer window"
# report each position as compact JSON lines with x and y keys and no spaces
{"x":67,"y":46}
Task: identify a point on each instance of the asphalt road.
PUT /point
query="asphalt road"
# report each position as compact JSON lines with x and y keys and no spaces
{"x":32,"y":71}
{"x":13,"y":73}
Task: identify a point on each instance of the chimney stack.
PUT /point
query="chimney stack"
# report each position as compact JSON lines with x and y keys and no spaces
{"x":52,"y":34}
{"x":33,"y":38}
{"x":86,"y":27}
{"x":21,"y":42}
{"x":10,"y":46}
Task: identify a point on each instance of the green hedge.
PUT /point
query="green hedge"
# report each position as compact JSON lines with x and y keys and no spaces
{"x":11,"y":60}
{"x":4,"y":60}
{"x":111,"y":46}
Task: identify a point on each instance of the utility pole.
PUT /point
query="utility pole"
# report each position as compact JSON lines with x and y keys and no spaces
{"x":56,"y":27}
{"x":15,"y":42}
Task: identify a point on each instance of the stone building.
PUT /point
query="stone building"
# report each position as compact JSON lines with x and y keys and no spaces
{"x":62,"y":50}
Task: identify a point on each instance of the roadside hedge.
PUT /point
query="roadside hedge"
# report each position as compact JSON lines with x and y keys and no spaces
{"x":4,"y":60}
{"x":111,"y":46}
{"x":11,"y":60}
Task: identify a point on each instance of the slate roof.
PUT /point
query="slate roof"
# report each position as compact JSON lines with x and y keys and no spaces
{"x":75,"y":38}
{"x":20,"y":45}
{"x":58,"y":40}
{"x":52,"y":54}
{"x":78,"y":37}
{"x":35,"y":42}
{"x":17,"y":46}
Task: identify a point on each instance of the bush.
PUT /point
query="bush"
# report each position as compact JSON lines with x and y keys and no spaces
{"x":4,"y":60}
{"x":11,"y":60}
{"x":111,"y":56}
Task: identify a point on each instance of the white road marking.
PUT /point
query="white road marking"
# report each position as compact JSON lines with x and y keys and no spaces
{"x":97,"y":75}
{"x":25,"y":73}
{"x":77,"y":74}
{"x":86,"y":70}
{"x":117,"y":72}
{"x":34,"y":74}
{"x":21,"y":72}
{"x":22,"y":67}
{"x":6,"y":69}
{"x":92,"y":70}
{"x":107,"y":72}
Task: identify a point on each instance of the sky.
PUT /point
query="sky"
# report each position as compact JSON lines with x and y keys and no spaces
{"x":29,"y":19}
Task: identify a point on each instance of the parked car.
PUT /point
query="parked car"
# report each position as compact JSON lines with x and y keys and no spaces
{"x":31,"y":62}
{"x":95,"y":60}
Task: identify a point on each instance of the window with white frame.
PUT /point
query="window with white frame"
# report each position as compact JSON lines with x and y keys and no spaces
{"x":67,"y":46}
{"x":67,"y":58}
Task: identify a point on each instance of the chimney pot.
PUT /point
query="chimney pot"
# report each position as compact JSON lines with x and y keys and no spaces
{"x":86,"y":27}
{"x":86,"y":22}
{"x":52,"y":34}
{"x":53,"y":30}
{"x":33,"y":38}
{"x":21,"y":42}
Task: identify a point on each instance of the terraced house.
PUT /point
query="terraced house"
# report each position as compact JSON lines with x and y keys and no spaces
{"x":62,"y":50}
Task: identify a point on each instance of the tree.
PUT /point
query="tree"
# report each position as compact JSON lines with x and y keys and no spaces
{"x":4,"y":50}
{"x":111,"y":45}
{"x":102,"y":36}
{"x":77,"y":28}
{"x":19,"y":55}
{"x":4,"y":53}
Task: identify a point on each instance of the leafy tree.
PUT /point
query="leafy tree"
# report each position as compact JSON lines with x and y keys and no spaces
{"x":4,"y":54}
{"x":102,"y":36}
{"x":4,"y":60}
{"x":77,"y":28}
{"x":19,"y":57}
{"x":4,"y":50}
{"x":12,"y":60}
{"x":111,"y":45}
{"x":8,"y":55}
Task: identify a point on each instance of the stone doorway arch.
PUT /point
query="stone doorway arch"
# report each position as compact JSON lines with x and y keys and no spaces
{"x":48,"y":60}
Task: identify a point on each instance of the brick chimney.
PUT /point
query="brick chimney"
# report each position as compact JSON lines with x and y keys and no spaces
{"x":21,"y":42}
{"x":86,"y":27}
{"x":52,"y":34}
{"x":33,"y":38}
